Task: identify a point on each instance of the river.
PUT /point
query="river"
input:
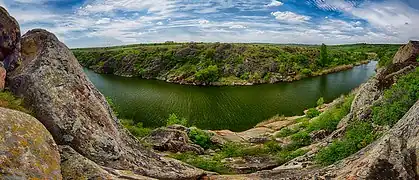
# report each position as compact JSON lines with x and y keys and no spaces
{"x":230,"y":107}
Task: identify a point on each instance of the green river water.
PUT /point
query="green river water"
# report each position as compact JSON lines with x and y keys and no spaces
{"x":236,"y":108}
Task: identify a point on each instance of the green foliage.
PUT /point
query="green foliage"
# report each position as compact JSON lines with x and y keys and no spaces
{"x":284,"y":132}
{"x":331,"y":118}
{"x":113,"y":106}
{"x":356,"y":137}
{"x":173,"y":119}
{"x":213,"y":164}
{"x":200,"y":137}
{"x":312,"y":112}
{"x":7,"y":100}
{"x":209,"y":74}
{"x":397,"y":100}
{"x":135,"y":129}
{"x":301,"y":139}
{"x":285,"y":156}
{"x":320,"y":101}
{"x":324,"y":58}
{"x":211,"y":62}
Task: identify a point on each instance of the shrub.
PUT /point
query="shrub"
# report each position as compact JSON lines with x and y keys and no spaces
{"x":312,"y":112}
{"x":284,"y":132}
{"x":113,"y":106}
{"x":209,"y":74}
{"x":306,"y":71}
{"x":273,"y":147}
{"x":285,"y":156}
{"x":200,"y":137}
{"x":331,"y":118}
{"x":173,"y":119}
{"x":7,"y":100}
{"x":357,"y":137}
{"x":397,"y":100}
{"x":300,"y":139}
{"x":136,"y":129}
{"x":320,"y":101}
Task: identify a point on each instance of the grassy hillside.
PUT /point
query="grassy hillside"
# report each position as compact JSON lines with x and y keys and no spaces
{"x":221,"y":63}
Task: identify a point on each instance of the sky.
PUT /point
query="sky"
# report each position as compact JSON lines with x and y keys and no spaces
{"x":93,"y":23}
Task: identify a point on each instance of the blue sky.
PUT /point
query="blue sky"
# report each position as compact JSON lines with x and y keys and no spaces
{"x":87,"y":23}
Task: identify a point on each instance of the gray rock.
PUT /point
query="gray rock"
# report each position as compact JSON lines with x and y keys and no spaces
{"x":408,"y":52}
{"x":9,"y":40}
{"x":75,"y":166}
{"x":250,"y":164}
{"x":53,"y":83}
{"x":2,"y":77}
{"x":27,"y":149}
{"x":166,"y":139}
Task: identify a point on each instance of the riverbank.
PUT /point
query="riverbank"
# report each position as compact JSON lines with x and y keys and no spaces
{"x":221,"y":64}
{"x":233,"y":81}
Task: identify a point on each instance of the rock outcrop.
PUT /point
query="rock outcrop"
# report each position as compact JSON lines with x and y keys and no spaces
{"x":407,"y":53}
{"x":27,"y":149}
{"x":2,"y":77}
{"x":173,"y":140}
{"x":75,"y":166}
{"x":9,"y":40}
{"x":53,"y":84}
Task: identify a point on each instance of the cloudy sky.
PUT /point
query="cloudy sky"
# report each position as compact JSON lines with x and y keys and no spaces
{"x":87,"y":23}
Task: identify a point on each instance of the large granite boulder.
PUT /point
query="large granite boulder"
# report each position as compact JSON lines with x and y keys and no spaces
{"x":53,"y":83}
{"x":407,"y":53}
{"x":9,"y":40}
{"x":173,"y":140}
{"x":27,"y":149}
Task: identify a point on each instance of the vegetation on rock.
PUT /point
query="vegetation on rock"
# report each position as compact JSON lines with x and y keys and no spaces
{"x":8,"y":100}
{"x":226,"y":64}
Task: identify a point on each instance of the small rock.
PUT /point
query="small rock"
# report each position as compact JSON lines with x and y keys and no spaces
{"x":249,"y":164}
{"x":319,"y":135}
{"x":258,"y":140}
{"x":178,"y":127}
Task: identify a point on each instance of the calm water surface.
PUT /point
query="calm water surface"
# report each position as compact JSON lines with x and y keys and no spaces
{"x":235,"y":108}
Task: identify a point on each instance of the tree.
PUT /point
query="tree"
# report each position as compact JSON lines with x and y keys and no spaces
{"x":324,"y":59}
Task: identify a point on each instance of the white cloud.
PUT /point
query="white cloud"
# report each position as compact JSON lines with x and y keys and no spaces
{"x":103,"y":21}
{"x":290,"y":17}
{"x":275,"y":3}
{"x":237,"y":26}
{"x":159,"y":23}
{"x":203,"y":21}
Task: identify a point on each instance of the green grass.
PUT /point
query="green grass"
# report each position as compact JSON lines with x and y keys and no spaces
{"x":331,"y":117}
{"x":357,"y":137}
{"x":7,"y":100}
{"x":135,"y":129}
{"x":397,"y":100}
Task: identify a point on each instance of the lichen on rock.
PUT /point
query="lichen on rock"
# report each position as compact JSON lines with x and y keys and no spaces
{"x":27,"y":149}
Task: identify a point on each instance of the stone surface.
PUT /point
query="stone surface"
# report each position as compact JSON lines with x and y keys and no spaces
{"x":367,"y":95}
{"x":27,"y":149}
{"x":2,"y":77}
{"x":76,"y":166}
{"x":406,"y":53}
{"x":173,"y":140}
{"x":53,"y":83}
{"x":9,"y":40}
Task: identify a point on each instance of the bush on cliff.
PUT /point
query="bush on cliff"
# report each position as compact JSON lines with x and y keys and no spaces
{"x":7,"y":100}
{"x":397,"y":100}
{"x":173,"y":119}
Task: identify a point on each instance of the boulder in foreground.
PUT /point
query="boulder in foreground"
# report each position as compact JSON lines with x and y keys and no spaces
{"x":27,"y":150}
